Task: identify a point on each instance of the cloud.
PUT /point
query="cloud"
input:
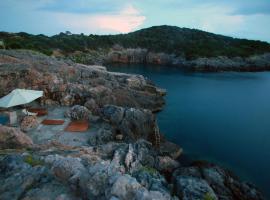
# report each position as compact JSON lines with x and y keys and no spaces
{"x":127,"y":20}
{"x":241,"y":7}
{"x":83,"y":6}
{"x":218,"y":19}
{"x":253,"y":8}
{"x":241,"y":18}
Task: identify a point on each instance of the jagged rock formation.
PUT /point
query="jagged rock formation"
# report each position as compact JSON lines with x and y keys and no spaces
{"x":13,"y":138}
{"x":132,"y":123}
{"x":112,"y":171}
{"x":78,"y":113}
{"x":49,"y":165}
{"x":222,"y":63}
{"x":260,"y":62}
{"x":138,"y":56}
{"x":68,"y":83}
{"x":252,"y":63}
{"x":203,"y":178}
{"x":28,"y":123}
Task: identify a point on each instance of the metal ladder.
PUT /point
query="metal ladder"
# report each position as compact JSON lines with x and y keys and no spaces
{"x":157,"y":137}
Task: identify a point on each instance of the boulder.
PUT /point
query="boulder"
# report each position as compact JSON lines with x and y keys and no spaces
{"x":92,"y":106}
{"x":65,"y":168}
{"x":136,"y":155}
{"x":196,"y":180}
{"x":78,"y":112}
{"x":22,"y":178}
{"x":28,"y":123}
{"x":165,"y":163}
{"x":153,"y":181}
{"x":102,"y":136}
{"x":193,"y":188}
{"x":67,"y":100}
{"x":170,"y":149}
{"x":17,"y":177}
{"x":12,"y":138}
{"x":132,"y":123}
{"x":125,"y":187}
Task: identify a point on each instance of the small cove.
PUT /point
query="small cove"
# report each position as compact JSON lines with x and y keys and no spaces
{"x":220,"y":117}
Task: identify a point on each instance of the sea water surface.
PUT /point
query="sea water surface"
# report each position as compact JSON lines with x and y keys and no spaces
{"x":220,"y":117}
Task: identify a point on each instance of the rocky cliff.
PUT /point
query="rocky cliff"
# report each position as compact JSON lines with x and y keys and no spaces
{"x":123,"y":157}
{"x":212,"y":64}
{"x":121,"y":55}
{"x":67,"y":83}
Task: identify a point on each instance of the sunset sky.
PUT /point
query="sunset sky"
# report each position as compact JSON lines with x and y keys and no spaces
{"x":237,"y":18}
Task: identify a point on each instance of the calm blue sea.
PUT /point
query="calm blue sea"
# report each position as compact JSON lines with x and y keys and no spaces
{"x":220,"y":117}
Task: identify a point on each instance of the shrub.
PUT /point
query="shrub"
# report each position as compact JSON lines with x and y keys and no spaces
{"x":29,"y":159}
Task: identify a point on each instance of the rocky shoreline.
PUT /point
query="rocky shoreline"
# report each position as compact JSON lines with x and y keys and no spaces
{"x":123,"y":157}
{"x":118,"y":54}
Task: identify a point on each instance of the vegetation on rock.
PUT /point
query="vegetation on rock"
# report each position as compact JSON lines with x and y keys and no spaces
{"x":190,"y":43}
{"x":29,"y":159}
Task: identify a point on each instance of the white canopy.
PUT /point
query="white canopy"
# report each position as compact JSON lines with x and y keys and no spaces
{"x":19,"y":97}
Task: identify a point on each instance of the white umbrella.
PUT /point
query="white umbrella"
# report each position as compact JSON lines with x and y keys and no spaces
{"x":19,"y":97}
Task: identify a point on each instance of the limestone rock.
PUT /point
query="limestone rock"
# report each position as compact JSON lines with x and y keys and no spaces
{"x":153,"y":181}
{"x":165,"y":163}
{"x":67,"y":83}
{"x":125,"y":187}
{"x":219,"y":63}
{"x":168,"y":148}
{"x":132,"y":123}
{"x":66,"y":167}
{"x":13,"y":138}
{"x":28,"y":123}
{"x":22,"y":179}
{"x":129,"y":156}
{"x":78,"y":113}
{"x":202,"y":175}
{"x":92,"y":106}
{"x":193,"y":188}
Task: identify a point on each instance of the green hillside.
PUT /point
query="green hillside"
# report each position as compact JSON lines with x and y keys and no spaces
{"x":190,"y":43}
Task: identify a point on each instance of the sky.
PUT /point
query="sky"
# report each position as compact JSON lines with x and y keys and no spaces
{"x":237,"y":18}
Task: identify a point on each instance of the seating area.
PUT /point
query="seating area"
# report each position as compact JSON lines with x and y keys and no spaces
{"x":77,"y":126}
{"x":17,"y":110}
{"x":49,"y":124}
{"x":38,"y":111}
{"x":15,"y":116}
{"x":52,"y":122}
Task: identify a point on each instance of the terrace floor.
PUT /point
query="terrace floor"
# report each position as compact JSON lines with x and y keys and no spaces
{"x":47,"y":133}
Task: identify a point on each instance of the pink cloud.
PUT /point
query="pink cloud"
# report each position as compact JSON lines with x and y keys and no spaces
{"x":125,"y":21}
{"x":128,"y":20}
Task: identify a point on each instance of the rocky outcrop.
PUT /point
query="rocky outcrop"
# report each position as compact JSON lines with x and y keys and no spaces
{"x":207,"y":180}
{"x":84,"y":174}
{"x":113,"y":171}
{"x":12,"y":138}
{"x":132,"y":123}
{"x":67,"y":83}
{"x":194,"y":188}
{"x":123,"y":157}
{"x":28,"y":123}
{"x":22,"y":178}
{"x":127,"y":56}
{"x":78,"y":112}
{"x":253,"y":63}
{"x":221,"y":63}
{"x":138,"y":56}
